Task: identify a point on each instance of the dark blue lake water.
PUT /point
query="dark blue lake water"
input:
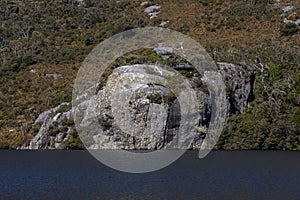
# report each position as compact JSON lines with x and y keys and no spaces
{"x":221,"y":175}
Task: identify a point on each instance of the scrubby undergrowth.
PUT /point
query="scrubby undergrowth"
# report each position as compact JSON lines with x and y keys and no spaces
{"x":38,"y":38}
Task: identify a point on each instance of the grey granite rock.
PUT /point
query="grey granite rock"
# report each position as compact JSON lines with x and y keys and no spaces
{"x":54,"y":131}
{"x":133,"y":113}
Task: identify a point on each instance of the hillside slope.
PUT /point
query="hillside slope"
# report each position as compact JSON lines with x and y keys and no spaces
{"x":42,"y":45}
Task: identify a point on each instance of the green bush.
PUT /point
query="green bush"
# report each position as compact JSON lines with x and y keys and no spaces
{"x":68,"y":122}
{"x":289,"y":29}
{"x":74,"y":141}
{"x":169,"y":98}
{"x":53,"y":131}
{"x":4,"y":145}
{"x":155,"y":98}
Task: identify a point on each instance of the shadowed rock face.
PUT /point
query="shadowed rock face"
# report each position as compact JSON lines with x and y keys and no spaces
{"x":239,"y":82}
{"x":136,"y":111}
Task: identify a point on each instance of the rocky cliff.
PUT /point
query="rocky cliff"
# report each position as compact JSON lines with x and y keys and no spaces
{"x":153,"y":113}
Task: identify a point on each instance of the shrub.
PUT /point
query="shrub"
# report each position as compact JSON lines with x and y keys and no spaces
{"x":53,"y":131}
{"x":68,"y":121}
{"x":169,"y":98}
{"x":155,"y":98}
{"x":74,"y":141}
{"x":4,"y":145}
{"x":289,"y":29}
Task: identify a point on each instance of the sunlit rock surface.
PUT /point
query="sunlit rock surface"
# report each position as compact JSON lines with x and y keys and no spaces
{"x":134,"y":110}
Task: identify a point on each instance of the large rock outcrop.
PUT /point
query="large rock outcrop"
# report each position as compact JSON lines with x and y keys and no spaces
{"x":149,"y":117}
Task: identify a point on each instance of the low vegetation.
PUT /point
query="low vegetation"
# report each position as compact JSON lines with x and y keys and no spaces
{"x":53,"y":37}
